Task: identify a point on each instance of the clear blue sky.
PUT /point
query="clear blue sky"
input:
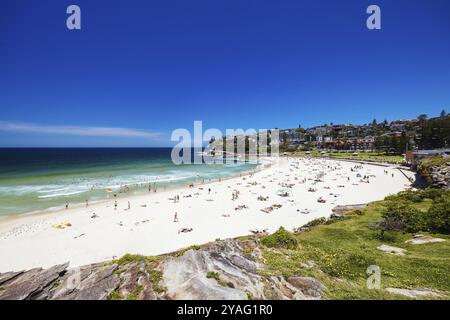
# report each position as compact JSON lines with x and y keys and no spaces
{"x":138,"y":69}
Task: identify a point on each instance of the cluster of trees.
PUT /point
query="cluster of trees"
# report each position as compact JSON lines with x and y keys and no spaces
{"x":429,"y":133}
{"x":393,"y":144}
{"x":433,"y":133}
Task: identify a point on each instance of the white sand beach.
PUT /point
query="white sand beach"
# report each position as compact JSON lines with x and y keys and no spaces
{"x":100,"y":232}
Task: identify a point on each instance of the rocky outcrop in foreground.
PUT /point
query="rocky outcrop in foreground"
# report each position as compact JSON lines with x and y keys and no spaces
{"x":219,"y":270}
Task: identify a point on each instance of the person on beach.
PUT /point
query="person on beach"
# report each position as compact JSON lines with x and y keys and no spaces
{"x":67,"y":205}
{"x":209,"y":190}
{"x":115,"y":204}
{"x":87,"y":203}
{"x":175,"y":217}
{"x":129,"y":205}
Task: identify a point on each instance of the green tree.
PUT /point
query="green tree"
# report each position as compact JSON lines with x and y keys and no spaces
{"x":422,"y":117}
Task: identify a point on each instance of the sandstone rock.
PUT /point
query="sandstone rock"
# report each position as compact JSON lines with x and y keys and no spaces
{"x":308,"y":264}
{"x":392,"y":250}
{"x":5,"y":277}
{"x":310,"y":287}
{"x":92,"y":282}
{"x":32,"y":284}
{"x":424,"y":240}
{"x":284,"y":290}
{"x":416,"y":293}
{"x":232,"y":266}
{"x":341,"y":210}
{"x":185,"y":276}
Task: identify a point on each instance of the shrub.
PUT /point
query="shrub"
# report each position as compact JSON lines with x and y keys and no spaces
{"x":418,"y":196}
{"x":401,"y":215}
{"x":390,"y":224}
{"x":315,"y":222}
{"x":438,"y":216}
{"x":433,"y":193}
{"x":409,"y":195}
{"x":280,"y":239}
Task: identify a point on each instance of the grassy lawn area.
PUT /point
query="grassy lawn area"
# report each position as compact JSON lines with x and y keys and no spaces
{"x":341,"y":252}
{"x":363,"y":156}
{"x":426,"y":165}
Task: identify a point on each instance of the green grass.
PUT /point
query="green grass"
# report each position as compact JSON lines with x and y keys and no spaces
{"x":212,"y":275}
{"x":179,"y":253}
{"x":155,"y":278}
{"x":363,"y":156}
{"x":343,"y":251}
{"x":136,"y":292}
{"x":216,"y":276}
{"x":115,"y":295}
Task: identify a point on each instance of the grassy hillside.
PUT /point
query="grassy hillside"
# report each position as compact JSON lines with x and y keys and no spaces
{"x":338,"y":254}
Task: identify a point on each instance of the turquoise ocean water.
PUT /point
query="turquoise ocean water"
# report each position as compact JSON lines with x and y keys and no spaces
{"x":38,"y":179}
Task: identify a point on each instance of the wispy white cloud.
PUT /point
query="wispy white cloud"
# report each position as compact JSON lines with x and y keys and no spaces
{"x":77,"y":130}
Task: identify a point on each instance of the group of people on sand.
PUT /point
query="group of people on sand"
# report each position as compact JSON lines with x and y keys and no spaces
{"x":235,"y":195}
{"x":387,"y":172}
{"x":176,"y":199}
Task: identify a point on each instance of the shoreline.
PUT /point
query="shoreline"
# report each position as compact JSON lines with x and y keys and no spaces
{"x":4,"y":219}
{"x":147,"y":228}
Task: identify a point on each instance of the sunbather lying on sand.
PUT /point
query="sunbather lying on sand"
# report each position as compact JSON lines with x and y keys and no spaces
{"x":256,"y":231}
{"x":185,"y":230}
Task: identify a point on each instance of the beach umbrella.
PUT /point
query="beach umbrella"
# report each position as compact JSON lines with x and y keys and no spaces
{"x":358,"y":175}
{"x":283,"y":191}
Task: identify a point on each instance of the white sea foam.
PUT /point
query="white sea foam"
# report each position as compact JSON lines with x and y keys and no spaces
{"x":62,"y":194}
